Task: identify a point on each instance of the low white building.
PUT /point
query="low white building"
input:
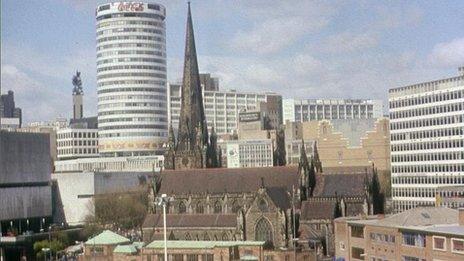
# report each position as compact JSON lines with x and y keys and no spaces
{"x":75,"y":143}
{"x":77,"y":189}
{"x":247,"y":153}
{"x":110,"y":164}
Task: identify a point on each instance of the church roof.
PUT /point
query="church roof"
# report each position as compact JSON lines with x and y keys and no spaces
{"x":312,"y":209}
{"x":280,"y":197}
{"x":223,"y":180}
{"x":191,"y":220}
{"x":329,"y":185}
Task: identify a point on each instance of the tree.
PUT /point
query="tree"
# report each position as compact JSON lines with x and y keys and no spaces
{"x":311,"y":178}
{"x":377,"y":197}
{"x":337,"y":210}
{"x":54,"y":245}
{"x":119,"y":210}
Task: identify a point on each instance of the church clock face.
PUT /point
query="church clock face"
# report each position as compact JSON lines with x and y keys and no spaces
{"x":185,"y":161}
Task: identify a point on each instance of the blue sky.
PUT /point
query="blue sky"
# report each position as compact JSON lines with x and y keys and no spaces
{"x":311,"y":49}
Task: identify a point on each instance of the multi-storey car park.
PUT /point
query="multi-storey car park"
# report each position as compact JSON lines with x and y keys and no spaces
{"x":131,"y":78}
{"x":427,"y":140}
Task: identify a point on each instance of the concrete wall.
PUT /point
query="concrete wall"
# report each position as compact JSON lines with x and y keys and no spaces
{"x":77,"y":190}
{"x":25,"y":202}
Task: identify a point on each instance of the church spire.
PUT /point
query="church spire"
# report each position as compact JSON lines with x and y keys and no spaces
{"x":192,"y":111}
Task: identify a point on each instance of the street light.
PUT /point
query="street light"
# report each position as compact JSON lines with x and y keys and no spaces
{"x":163,"y":201}
{"x":45,"y":250}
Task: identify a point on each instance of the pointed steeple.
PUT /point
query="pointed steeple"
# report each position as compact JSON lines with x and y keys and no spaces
{"x":172,"y":138}
{"x":192,"y":111}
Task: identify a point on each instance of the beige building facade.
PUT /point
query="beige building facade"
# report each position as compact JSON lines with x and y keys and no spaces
{"x":424,"y":233}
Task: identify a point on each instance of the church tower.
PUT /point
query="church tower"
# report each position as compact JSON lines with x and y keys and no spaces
{"x":190,"y":150}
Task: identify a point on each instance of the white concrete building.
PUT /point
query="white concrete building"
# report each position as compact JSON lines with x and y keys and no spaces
{"x":111,"y":164}
{"x":301,"y":110}
{"x":72,"y":143}
{"x":247,"y":153}
{"x":131,"y":78}
{"x":222,"y":107}
{"x":427,"y":140}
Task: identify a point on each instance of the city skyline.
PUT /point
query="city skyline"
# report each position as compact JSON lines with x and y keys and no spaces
{"x":387,"y":45}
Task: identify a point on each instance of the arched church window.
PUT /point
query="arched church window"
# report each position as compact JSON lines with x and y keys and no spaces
{"x":200,"y":209}
{"x":262,"y":205}
{"x":263,"y":232}
{"x":225,"y":237}
{"x":188,"y":237}
{"x":182,"y":208}
{"x":206,"y":237}
{"x":217,"y":207}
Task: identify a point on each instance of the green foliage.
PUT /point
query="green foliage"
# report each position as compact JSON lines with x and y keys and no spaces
{"x":55,"y":245}
{"x":337,"y":210}
{"x":311,"y":178}
{"x":378,"y":198}
{"x":119,"y":210}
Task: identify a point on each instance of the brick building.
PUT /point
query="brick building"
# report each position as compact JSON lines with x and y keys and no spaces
{"x":423,"y":233}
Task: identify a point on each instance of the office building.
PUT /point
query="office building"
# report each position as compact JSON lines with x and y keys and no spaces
{"x":77,"y":143}
{"x":427,"y":140}
{"x":8,"y":109}
{"x":131,"y":78}
{"x":10,"y":124}
{"x":301,"y":110}
{"x":222,"y":108}
{"x":423,"y":233}
{"x":247,"y":153}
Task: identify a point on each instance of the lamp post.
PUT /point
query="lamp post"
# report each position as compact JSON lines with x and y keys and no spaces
{"x":163,"y":201}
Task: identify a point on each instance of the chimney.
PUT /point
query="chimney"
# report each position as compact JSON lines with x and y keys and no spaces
{"x":461,"y":216}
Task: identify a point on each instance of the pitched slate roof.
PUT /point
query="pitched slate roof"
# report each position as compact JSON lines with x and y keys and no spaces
{"x":107,"y":237}
{"x":315,"y":209}
{"x":329,"y":185}
{"x":347,"y":170}
{"x":191,"y":220}
{"x":280,"y":197}
{"x":422,"y":216}
{"x":221,"y":180}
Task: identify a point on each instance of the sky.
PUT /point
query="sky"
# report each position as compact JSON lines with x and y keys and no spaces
{"x":300,"y":49}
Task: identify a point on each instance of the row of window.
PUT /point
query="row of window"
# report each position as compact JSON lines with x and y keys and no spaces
{"x":428,"y":134}
{"x":427,"y":111}
{"x":133,"y":89}
{"x":427,"y":122}
{"x":443,"y":144}
{"x":456,"y":155}
{"x":125,"y":52}
{"x":132,"y":104}
{"x":114,"y":75}
{"x":75,"y":135}
{"x":69,"y":143}
{"x":428,"y":180}
{"x":428,"y":168}
{"x":130,"y":30}
{"x":118,"y":112}
{"x":84,"y":151}
{"x":135,"y":134}
{"x":403,"y":205}
{"x":130,"y":22}
{"x":425,"y":99}
{"x":131,"y":37}
{"x":124,"y":127}
{"x":133,"y":119}
{"x":414,"y":192}
{"x":130,"y":97}
{"x":132,"y":59}
{"x":126,"y":67}
{"x":143,"y":15}
{"x":383,"y":238}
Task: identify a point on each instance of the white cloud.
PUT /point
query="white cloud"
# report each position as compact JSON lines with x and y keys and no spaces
{"x":448,"y":54}
{"x":347,"y":42}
